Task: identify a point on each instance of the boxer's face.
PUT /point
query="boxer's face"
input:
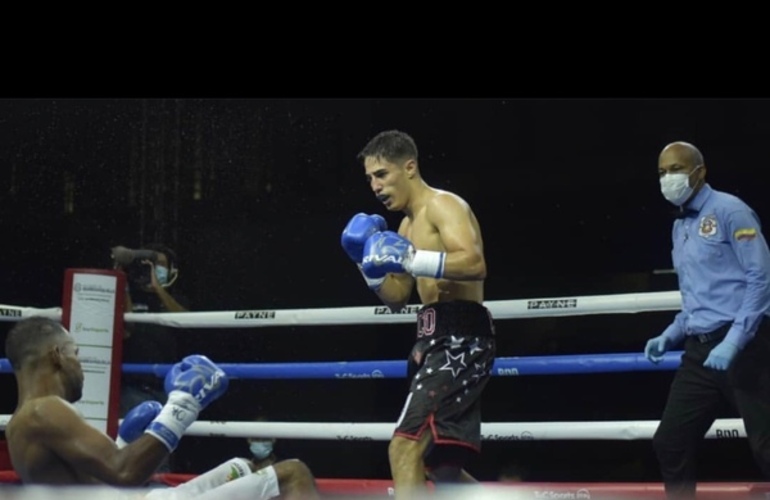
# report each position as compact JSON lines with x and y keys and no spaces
{"x":72,"y":371}
{"x":388,"y":181}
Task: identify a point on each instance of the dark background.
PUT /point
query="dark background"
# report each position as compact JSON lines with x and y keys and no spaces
{"x":253,"y":194}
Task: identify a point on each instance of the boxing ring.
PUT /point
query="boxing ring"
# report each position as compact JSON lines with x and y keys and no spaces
{"x":502,"y":310}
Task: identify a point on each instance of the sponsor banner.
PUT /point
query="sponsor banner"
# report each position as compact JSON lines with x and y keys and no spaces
{"x":91,"y":306}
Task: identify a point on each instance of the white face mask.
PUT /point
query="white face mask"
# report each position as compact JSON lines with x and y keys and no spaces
{"x":676,"y":187}
{"x":161,"y":272}
{"x":261,"y":449}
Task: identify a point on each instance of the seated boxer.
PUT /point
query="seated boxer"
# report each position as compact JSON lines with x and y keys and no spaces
{"x":438,"y":251}
{"x":50,"y":443}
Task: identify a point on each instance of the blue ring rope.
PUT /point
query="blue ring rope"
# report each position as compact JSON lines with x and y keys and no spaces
{"x":507,"y":366}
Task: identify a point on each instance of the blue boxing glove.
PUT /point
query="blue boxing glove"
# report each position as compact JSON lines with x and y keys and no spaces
{"x":358,"y":230}
{"x":721,"y":356}
{"x":656,"y":347}
{"x":136,"y":421}
{"x":389,"y":252}
{"x":198,"y":376}
{"x":191,"y":384}
{"x":354,"y":237}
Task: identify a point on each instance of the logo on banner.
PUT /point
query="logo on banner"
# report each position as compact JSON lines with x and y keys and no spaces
{"x":581,"y":494}
{"x":254,"y":314}
{"x":524,"y":436}
{"x":552,"y":304}
{"x":79,"y":328}
{"x":374,"y":374}
{"x":79,"y":287}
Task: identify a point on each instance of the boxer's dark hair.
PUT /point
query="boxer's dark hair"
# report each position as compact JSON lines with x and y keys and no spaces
{"x":28,"y":336}
{"x":391,"y":145}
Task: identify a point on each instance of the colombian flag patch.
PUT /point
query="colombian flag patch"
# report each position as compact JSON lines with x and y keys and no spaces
{"x":745,"y":234}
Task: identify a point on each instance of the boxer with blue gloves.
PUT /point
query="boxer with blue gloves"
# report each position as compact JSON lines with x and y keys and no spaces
{"x":51,"y":442}
{"x":438,"y":251}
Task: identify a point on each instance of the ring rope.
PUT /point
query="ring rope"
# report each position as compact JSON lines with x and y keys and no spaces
{"x":503,"y":367}
{"x":622,"y":430}
{"x":500,"y":309}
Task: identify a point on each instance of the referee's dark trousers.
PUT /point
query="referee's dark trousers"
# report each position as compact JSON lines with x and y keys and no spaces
{"x":694,"y":400}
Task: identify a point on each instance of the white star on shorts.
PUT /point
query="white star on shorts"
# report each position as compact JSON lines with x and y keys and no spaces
{"x":456,"y":343}
{"x":455,"y":364}
{"x":475,"y":347}
{"x":479,"y":370}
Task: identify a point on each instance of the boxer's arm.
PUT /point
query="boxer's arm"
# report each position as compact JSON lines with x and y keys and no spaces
{"x":88,"y":451}
{"x":464,"y":260}
{"x":396,"y":290}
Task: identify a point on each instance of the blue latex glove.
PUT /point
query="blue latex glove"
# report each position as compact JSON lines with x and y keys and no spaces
{"x":656,"y":347}
{"x":721,"y":356}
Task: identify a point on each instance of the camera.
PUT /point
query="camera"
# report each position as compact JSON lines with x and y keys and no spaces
{"x":137,"y":272}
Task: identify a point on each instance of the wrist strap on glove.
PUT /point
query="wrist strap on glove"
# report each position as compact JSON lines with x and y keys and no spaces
{"x":426,"y":263}
{"x":179,"y":412}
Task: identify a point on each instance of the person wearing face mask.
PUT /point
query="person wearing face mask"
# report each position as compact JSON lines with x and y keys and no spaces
{"x":723,"y":266}
{"x":261,"y":452}
{"x":261,"y":449}
{"x":150,"y":288}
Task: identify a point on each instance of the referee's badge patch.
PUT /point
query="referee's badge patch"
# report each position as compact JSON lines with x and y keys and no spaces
{"x":708,"y":226}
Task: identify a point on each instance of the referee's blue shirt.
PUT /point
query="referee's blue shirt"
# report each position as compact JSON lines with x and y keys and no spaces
{"x":723,"y":264}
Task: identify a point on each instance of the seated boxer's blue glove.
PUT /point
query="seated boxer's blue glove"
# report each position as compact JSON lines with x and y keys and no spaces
{"x":358,"y":230}
{"x":721,"y":355}
{"x":136,"y":421}
{"x":656,"y":347}
{"x":199,"y":376}
{"x":192,"y":384}
{"x":389,"y":252}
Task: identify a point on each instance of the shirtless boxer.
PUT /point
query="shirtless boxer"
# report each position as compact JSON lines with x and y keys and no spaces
{"x":50,"y":443}
{"x":439,"y":248}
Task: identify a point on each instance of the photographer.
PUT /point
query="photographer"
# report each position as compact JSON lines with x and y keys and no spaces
{"x":150,"y":274}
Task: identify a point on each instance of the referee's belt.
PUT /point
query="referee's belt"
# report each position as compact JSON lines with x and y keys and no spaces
{"x":718,"y":334}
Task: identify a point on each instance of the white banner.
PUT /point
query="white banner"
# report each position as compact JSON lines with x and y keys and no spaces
{"x":92,"y":319}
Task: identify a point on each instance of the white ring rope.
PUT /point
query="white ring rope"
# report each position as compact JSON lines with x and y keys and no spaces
{"x":491,"y":431}
{"x":500,"y":309}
